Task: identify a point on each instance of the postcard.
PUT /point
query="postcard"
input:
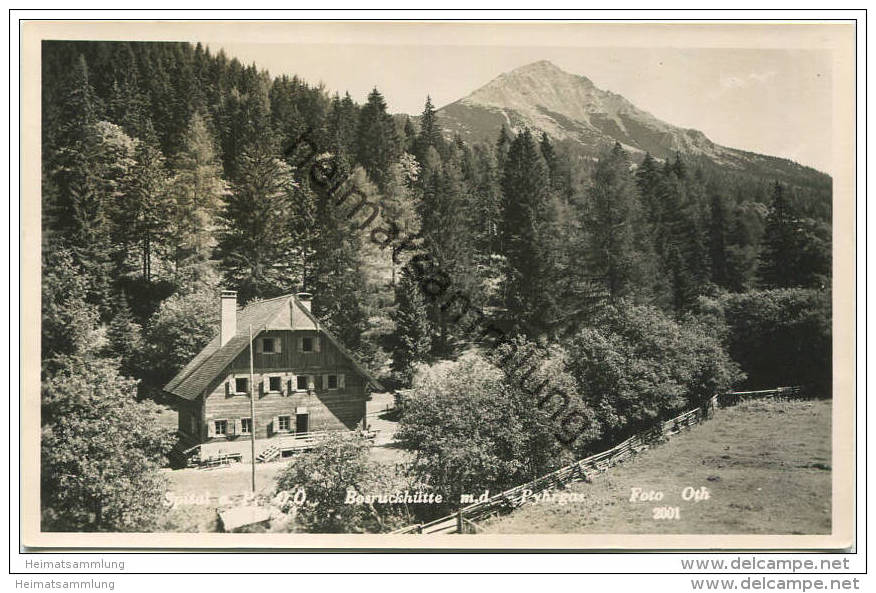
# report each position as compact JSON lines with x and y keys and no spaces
{"x":438,"y":285}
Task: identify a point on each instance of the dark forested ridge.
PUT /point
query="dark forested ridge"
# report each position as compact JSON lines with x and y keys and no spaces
{"x":170,"y":173}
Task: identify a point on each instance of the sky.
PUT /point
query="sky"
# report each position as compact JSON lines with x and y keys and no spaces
{"x":773,"y":100}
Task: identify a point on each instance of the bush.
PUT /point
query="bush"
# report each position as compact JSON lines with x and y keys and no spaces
{"x":637,"y":366}
{"x":781,"y":337}
{"x":478,"y":424}
{"x":177,"y":332}
{"x":326,"y":473}
{"x":69,"y":323}
{"x":101,"y":451}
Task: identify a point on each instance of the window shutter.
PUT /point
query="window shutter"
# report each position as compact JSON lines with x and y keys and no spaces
{"x":341,"y":384}
{"x":317,"y":343}
{"x":317,"y":382}
{"x":211,"y":429}
{"x":278,"y":345}
{"x":264,"y":385}
{"x":228,"y":390}
{"x":238,"y":427}
{"x":259,"y":345}
{"x":275,"y":424}
{"x":300,"y":344}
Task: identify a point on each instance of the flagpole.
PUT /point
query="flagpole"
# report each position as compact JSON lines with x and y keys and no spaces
{"x":252,"y":422}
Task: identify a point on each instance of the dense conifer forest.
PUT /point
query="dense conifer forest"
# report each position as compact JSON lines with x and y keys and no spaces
{"x":171,"y":172}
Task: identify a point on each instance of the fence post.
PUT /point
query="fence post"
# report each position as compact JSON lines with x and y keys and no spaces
{"x":459,"y":525}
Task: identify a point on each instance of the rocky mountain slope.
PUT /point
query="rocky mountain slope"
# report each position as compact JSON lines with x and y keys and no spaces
{"x":569,"y":107}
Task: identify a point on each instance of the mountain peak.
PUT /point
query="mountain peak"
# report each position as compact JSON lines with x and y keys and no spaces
{"x":539,"y":66}
{"x":545,"y":69}
{"x":568,"y":107}
{"x":543,"y":97}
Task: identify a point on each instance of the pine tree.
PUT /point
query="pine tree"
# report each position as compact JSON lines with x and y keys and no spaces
{"x":718,"y":228}
{"x":337,"y":277}
{"x":485,"y":203}
{"x":410,"y":139}
{"x":430,"y":131}
{"x":198,"y":192}
{"x":503,"y":145}
{"x":648,"y":180}
{"x":559,"y":169}
{"x":448,"y":239}
{"x":342,"y":125}
{"x":413,"y":331}
{"x":674,"y":231}
{"x":69,"y":159}
{"x":125,"y":340}
{"x":148,"y":206}
{"x":255,"y":243}
{"x":158,"y":84}
{"x":525,"y":194}
{"x":399,"y":215}
{"x":245,"y":119}
{"x":128,"y":107}
{"x":376,"y":139}
{"x":611,"y":223}
{"x":746,"y":229}
{"x":780,"y":257}
{"x":550,"y":157}
{"x":678,"y":239}
{"x":86,"y":173}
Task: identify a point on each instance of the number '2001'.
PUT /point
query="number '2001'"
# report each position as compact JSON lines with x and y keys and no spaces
{"x":666,"y":513}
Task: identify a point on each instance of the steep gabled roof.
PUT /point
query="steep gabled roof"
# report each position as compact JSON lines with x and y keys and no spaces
{"x":285,"y":312}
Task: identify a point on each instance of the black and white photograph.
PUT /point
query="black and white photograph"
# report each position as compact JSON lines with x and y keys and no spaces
{"x":416,"y":280}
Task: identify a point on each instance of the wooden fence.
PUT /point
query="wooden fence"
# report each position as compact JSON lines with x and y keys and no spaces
{"x":466,"y":518}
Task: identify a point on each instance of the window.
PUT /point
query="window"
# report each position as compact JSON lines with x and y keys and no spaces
{"x":221,"y":428}
{"x":283,"y":423}
{"x":246,"y":426}
{"x":301,"y":382}
{"x":307,"y":344}
{"x":275,"y":383}
{"x":241,"y":385}
{"x":269,"y":345}
{"x":332,"y":381}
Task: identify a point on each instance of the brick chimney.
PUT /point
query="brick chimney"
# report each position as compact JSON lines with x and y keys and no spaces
{"x":304,"y":298}
{"x":228,"y":312}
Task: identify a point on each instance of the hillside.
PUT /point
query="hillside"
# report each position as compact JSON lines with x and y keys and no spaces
{"x":765,"y":464}
{"x":542,"y":97}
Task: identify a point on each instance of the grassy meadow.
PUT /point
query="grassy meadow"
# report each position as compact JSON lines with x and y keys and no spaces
{"x":765,"y":464}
